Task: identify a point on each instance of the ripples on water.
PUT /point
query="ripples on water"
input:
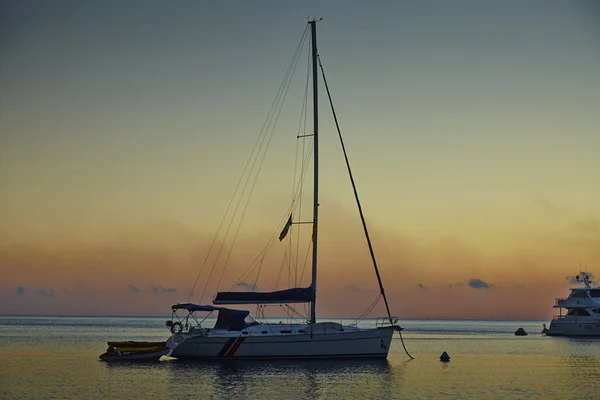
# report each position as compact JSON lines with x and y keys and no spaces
{"x":50,"y":357}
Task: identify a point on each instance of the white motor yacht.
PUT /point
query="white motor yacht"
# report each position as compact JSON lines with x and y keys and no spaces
{"x":583,"y":311}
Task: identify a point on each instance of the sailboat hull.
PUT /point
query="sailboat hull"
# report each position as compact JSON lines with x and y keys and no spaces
{"x":373,"y":343}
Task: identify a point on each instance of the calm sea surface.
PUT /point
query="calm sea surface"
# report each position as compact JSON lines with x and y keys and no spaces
{"x":57,"y":358}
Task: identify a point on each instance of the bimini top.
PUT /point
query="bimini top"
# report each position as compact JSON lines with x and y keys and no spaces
{"x":228,"y":319}
{"x":194,"y":307}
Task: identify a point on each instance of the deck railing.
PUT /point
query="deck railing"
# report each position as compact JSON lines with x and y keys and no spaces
{"x":385,"y":321}
{"x":575,"y":302}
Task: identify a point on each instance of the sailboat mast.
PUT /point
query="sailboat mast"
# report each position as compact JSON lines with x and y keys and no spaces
{"x":313,"y":284}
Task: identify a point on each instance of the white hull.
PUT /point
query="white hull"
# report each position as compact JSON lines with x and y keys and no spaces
{"x":574,"y":327}
{"x":371,"y":343}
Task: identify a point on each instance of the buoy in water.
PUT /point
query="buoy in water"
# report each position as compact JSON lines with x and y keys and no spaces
{"x":521,"y":332}
{"x":444,"y":357}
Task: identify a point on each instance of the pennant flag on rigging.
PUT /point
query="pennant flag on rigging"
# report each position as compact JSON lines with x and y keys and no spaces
{"x":286,"y":228}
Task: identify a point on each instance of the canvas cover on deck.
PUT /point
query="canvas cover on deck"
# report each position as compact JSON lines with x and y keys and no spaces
{"x":232,"y":320}
{"x":228,"y":319}
{"x":295,"y":295}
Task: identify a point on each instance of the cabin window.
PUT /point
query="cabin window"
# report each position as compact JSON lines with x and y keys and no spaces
{"x":580,"y":294}
{"x":579,"y":312}
{"x":596,"y":310}
{"x":594,"y":293}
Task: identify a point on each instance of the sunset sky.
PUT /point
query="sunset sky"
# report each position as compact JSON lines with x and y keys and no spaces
{"x":473,"y":129}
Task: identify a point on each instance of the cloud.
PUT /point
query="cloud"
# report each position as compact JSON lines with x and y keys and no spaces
{"x":352,"y":288}
{"x":20,"y":290}
{"x":45,"y":292}
{"x":134,"y":289}
{"x":160,"y":289}
{"x":478,"y":284}
{"x":421,"y":286}
{"x":247,"y":286}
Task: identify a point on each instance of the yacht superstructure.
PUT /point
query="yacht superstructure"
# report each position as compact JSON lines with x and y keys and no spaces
{"x":583,"y":311}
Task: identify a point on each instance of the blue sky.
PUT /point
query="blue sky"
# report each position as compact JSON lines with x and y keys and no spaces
{"x":474,"y":120}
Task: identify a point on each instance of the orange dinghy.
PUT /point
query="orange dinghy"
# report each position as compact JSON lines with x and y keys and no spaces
{"x":135,"y":351}
{"x":131,"y":343}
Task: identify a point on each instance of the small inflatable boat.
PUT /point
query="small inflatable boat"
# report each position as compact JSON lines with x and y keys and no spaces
{"x":135,"y":351}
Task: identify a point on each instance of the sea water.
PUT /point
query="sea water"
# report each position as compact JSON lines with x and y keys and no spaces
{"x":57,"y":358}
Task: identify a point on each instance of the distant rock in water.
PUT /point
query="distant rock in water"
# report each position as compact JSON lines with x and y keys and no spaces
{"x":520,"y":332}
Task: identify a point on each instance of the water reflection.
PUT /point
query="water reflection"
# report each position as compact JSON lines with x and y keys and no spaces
{"x":284,"y":379}
{"x":58,"y":359}
{"x":582,"y":373}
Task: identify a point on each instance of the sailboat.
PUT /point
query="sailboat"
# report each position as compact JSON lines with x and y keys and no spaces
{"x":236,"y":334}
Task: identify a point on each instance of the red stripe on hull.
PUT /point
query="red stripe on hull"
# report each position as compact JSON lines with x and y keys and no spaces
{"x":235,"y":346}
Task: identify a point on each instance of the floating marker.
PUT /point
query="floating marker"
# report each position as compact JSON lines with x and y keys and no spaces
{"x":445,"y":357}
{"x":521,"y":332}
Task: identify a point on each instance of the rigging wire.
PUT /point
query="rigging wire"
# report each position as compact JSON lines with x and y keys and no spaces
{"x":273,"y":238}
{"x":268,"y":126}
{"x":297,"y":195}
{"x":387,"y":307}
{"x":297,"y":189}
{"x":250,"y":157}
{"x":270,"y":242}
{"x":303,"y":117}
{"x":368,"y":310}
{"x":295,"y":64}
{"x":306,"y":260}
{"x":258,"y":273}
{"x":293,"y":312}
{"x":309,"y":247}
{"x":356,"y":195}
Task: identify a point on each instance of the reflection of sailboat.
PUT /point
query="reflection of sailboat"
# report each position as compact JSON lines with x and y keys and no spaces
{"x":285,"y":379}
{"x":237,"y":335}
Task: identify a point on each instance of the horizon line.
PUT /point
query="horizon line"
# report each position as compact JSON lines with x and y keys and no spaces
{"x":273,"y":317}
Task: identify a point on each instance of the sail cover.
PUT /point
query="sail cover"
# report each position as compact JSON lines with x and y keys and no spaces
{"x":295,"y":295}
